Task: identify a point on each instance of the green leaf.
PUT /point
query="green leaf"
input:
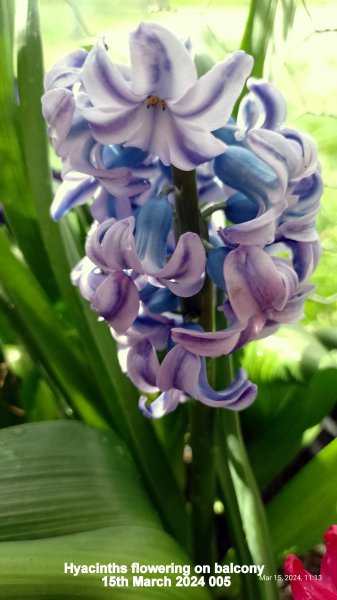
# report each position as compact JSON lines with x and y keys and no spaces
{"x":61,"y":477}
{"x":35,"y":569}
{"x":70,"y":493}
{"x":42,"y":330}
{"x":297,"y":379}
{"x":106,"y":385}
{"x":306,"y":506}
{"x":301,"y":408}
{"x":263,"y":19}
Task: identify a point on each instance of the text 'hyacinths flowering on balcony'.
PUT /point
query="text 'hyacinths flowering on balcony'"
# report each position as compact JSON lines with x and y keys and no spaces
{"x":118,"y":130}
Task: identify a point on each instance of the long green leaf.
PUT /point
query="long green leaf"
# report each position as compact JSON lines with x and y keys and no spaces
{"x":40,"y":326}
{"x":34,"y":569}
{"x":14,"y":185}
{"x":61,"y":477}
{"x":120,"y":396}
{"x":306,"y":506}
{"x":71,"y":494}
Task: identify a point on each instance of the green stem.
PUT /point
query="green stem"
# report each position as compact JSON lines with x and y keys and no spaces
{"x":200,"y":306}
{"x":245,"y":510}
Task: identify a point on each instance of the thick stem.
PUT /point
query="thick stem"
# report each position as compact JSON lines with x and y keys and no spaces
{"x":200,"y":306}
{"x":245,"y":510}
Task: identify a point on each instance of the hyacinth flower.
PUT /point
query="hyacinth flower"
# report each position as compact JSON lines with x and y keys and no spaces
{"x":305,"y":586}
{"x":123,"y":256}
{"x":104,"y":120}
{"x":159,"y":105}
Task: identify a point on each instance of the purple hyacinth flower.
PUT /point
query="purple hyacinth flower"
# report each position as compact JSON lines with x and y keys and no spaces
{"x":263,"y":291}
{"x":161,"y":106}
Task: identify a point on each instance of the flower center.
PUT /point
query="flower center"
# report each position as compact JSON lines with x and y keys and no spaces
{"x":155,"y":101}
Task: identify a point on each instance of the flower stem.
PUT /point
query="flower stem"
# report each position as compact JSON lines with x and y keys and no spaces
{"x":244,"y":507}
{"x":200,"y":306}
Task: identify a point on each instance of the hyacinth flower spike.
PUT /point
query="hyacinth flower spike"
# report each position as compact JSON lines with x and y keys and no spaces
{"x":305,"y":586}
{"x":161,"y":106}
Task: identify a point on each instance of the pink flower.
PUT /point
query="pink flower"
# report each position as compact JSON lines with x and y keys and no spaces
{"x":305,"y":586}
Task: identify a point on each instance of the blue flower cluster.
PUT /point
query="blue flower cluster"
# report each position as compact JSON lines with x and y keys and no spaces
{"x":117,"y":131}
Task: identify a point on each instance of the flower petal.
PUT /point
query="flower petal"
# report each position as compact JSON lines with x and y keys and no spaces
{"x":242,"y":170}
{"x":58,"y":108}
{"x":66,"y":71}
{"x":187,"y":372}
{"x":183,"y":274}
{"x":104,"y":82}
{"x":161,"y":65}
{"x":258,"y":232}
{"x":305,"y":586}
{"x":117,"y":301}
{"x":272,"y":100}
{"x":165,"y":403}
{"x":143,"y":366}
{"x":209,"y":103}
{"x":73,"y":191}
{"x":215,"y":343}
{"x":153,"y":225}
{"x":253,"y":282}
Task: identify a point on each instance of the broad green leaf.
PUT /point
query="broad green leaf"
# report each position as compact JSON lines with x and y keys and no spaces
{"x":301,"y":410}
{"x":71,"y":494}
{"x":14,"y":185}
{"x":35,"y":568}
{"x":296,"y":379}
{"x":306,"y":506}
{"x":292,"y":354}
{"x":61,"y":477}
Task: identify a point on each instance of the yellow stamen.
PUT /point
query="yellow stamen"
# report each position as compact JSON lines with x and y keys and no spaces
{"x":155,"y":101}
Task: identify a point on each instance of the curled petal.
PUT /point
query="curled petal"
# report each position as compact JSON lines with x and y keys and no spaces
{"x":143,"y":366}
{"x":307,"y":149}
{"x":87,"y":277}
{"x":183,"y":274}
{"x":104,"y":82}
{"x":161,"y":65}
{"x":119,"y":248}
{"x":259,"y":231}
{"x":117,"y":301}
{"x":66,"y":71}
{"x":273,"y":103}
{"x":187,"y":372}
{"x":305,"y":257}
{"x":214,"y":343}
{"x":58,"y":108}
{"x":165,"y":403}
{"x":253,"y":282}
{"x":75,"y":190}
